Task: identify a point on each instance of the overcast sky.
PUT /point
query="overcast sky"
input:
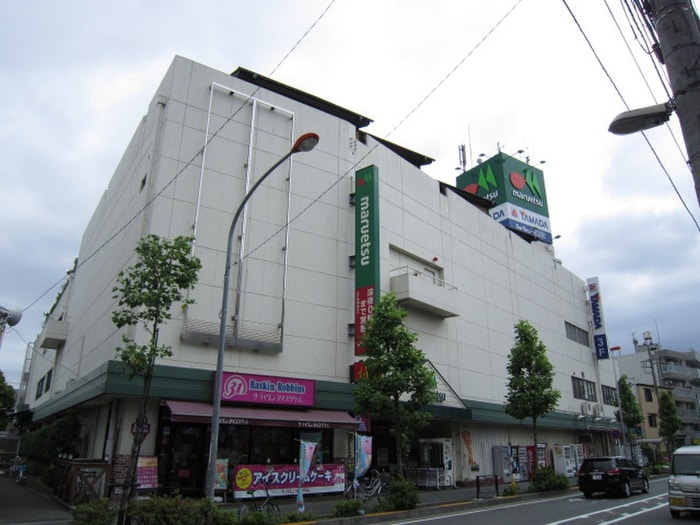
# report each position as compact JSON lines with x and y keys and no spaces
{"x":77,"y":76}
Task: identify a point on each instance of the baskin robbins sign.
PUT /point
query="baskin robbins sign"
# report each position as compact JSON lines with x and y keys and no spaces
{"x":271,"y":390}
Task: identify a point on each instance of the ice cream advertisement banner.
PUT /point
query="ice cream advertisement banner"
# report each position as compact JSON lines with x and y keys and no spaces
{"x":363,"y":455}
{"x":283,"y":480}
{"x":306,"y":454}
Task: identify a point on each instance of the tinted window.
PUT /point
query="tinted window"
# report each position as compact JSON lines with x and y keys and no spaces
{"x":686,"y":464}
{"x":597,"y":464}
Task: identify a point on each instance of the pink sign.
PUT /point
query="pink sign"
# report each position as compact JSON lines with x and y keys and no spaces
{"x":283,"y":480}
{"x":270,"y":390}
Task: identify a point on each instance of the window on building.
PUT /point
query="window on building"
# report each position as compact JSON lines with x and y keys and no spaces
{"x":577,"y":334}
{"x":40,"y":387}
{"x":49,"y":376}
{"x":647,"y":395}
{"x":584,"y":389}
{"x":609,"y":395}
{"x":651,"y":420}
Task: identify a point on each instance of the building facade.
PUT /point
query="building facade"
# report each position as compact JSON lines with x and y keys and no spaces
{"x":464,"y":278}
{"x":658,"y":368}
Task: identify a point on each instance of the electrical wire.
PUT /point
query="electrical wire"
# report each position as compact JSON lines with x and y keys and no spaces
{"x":663,"y":80}
{"x":182,"y":170}
{"x":198,"y":153}
{"x":622,"y":98}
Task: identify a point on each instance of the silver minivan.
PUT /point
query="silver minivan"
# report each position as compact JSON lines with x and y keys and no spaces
{"x":684,"y":481}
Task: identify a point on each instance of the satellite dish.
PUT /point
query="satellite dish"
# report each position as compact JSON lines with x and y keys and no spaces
{"x":10,"y":317}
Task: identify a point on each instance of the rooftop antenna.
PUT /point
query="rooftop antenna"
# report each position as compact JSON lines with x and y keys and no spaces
{"x":462,"y":157}
{"x":469,"y":136}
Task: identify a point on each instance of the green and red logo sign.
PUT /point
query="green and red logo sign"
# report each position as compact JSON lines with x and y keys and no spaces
{"x":366,"y":248}
{"x":516,"y":188}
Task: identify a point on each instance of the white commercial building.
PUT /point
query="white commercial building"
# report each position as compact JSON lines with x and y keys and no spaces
{"x":464,"y":278}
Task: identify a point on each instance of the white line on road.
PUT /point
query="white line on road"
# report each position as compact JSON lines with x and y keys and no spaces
{"x":619,"y":518}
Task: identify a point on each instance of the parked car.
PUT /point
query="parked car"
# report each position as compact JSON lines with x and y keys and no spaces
{"x":613,"y":475}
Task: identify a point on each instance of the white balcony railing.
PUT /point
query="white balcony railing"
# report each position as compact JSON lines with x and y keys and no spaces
{"x":424,"y":291}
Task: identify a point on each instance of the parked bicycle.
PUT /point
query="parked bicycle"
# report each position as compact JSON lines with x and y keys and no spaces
{"x":367,"y":487}
{"x":266,"y":505}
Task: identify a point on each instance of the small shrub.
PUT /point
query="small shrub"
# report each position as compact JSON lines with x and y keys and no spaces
{"x":260,"y":518}
{"x":384,"y":506}
{"x":183,"y":511}
{"x":97,"y":512}
{"x":545,"y":479}
{"x":403,"y":494}
{"x":346,"y":508}
{"x":296,"y":517}
{"x":511,"y":490}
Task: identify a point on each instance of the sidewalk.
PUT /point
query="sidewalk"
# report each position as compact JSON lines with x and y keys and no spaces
{"x":431,"y":502}
{"x":23,"y":504}
{"x":26,"y":505}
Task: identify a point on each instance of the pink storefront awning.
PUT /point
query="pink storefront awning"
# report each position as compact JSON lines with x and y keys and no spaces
{"x":192,"y":412}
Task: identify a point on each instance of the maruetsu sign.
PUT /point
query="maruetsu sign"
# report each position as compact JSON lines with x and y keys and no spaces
{"x":517,"y":190}
{"x":366,"y":248}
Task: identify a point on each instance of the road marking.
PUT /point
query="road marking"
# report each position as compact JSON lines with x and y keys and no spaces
{"x":436,"y":518}
{"x":478,"y":511}
{"x":609,"y":509}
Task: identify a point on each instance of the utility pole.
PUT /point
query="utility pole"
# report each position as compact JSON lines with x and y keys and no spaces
{"x":678,"y":31}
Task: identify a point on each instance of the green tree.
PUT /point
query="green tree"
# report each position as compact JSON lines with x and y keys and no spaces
{"x":145,"y":293}
{"x":530,"y":378}
{"x":398,"y":385}
{"x":7,"y":401}
{"x":669,"y":421}
{"x":631,"y":411}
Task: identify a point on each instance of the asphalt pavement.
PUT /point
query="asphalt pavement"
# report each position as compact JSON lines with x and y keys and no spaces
{"x":25,"y":505}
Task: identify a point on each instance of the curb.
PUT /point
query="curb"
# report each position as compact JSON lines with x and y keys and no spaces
{"x":430,"y":509}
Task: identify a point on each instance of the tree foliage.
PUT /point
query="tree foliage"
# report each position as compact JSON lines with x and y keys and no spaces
{"x":631,"y":411}
{"x":145,"y":294}
{"x":669,"y":421}
{"x":530,"y":378}
{"x":398,"y":385}
{"x":7,"y":401}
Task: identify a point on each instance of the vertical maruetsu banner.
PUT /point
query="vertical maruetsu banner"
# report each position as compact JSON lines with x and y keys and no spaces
{"x":366,"y":249}
{"x":600,"y":340}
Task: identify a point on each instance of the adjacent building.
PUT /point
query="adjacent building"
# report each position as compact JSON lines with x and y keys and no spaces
{"x":652,"y":369}
{"x":327,"y":233}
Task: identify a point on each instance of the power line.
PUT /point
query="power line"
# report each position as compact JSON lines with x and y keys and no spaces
{"x":187,"y":165}
{"x":622,"y":98}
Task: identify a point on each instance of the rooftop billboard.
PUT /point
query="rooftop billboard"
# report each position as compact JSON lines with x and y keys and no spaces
{"x":517,"y":190}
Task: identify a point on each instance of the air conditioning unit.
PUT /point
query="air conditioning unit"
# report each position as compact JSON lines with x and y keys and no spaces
{"x":596,"y":410}
{"x":585,"y":408}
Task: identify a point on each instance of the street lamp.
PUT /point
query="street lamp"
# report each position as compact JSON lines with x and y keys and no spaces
{"x":8,"y":318}
{"x":641,"y":119}
{"x":619,"y":400}
{"x":305,"y":142}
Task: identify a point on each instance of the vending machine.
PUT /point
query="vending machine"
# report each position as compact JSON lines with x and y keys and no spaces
{"x":565,"y":460}
{"x":437,"y":456}
{"x":502,"y":463}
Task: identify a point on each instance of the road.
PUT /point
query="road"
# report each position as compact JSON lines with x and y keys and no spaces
{"x":569,"y":509}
